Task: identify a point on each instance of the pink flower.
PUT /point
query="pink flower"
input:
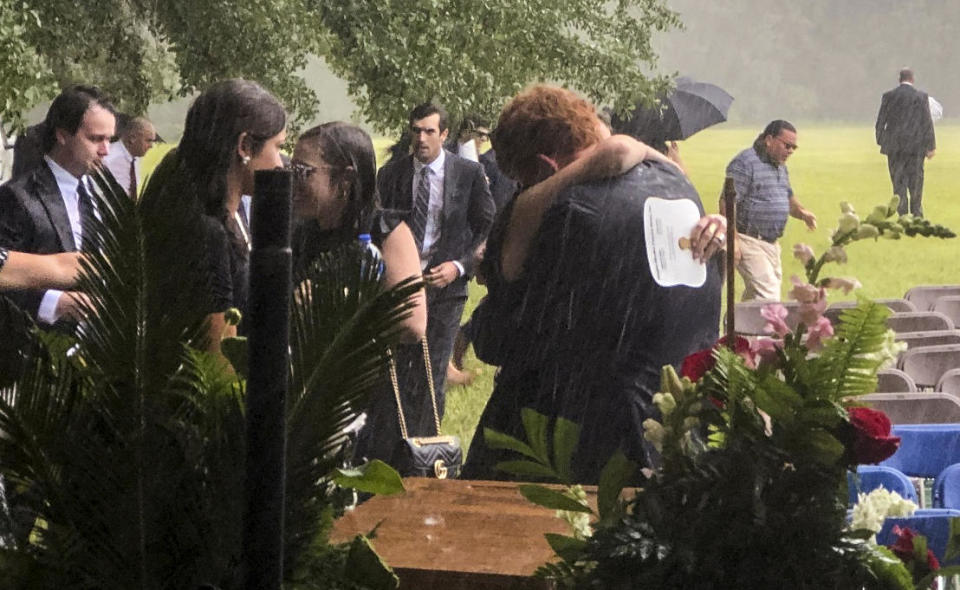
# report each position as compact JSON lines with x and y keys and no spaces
{"x":803,"y":253}
{"x":819,"y":331}
{"x":802,"y":291}
{"x":846,"y":283}
{"x":776,"y":315}
{"x":765,"y":350}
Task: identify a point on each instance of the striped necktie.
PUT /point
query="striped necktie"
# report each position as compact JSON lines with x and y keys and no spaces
{"x":418,"y":217}
{"x":85,"y":207}
{"x":132,"y":189}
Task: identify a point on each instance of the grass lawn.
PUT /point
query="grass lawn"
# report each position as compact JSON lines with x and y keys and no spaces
{"x":833,"y":164}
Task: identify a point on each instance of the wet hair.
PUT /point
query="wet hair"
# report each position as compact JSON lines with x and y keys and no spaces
{"x":542,"y":120}
{"x":906,"y":75}
{"x":774,"y":128}
{"x":67,"y":110}
{"x":348,"y":151}
{"x":425,"y":110}
{"x":214,"y":122}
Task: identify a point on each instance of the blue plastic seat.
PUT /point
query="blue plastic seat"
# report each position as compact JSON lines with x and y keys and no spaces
{"x":878,"y":476}
{"x":946,"y":488}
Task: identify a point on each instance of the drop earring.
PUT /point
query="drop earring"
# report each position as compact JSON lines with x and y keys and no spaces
{"x":245,"y":160}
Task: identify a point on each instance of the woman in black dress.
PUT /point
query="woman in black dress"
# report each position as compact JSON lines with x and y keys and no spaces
{"x":233,"y":129}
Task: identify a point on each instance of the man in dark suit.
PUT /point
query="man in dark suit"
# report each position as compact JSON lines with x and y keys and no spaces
{"x":449,"y":210}
{"x":905,"y":135}
{"x":43,"y":211}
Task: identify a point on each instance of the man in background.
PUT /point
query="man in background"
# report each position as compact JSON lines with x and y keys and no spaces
{"x":449,"y":210}
{"x":126,"y":154}
{"x":905,"y":135}
{"x":764,"y":202}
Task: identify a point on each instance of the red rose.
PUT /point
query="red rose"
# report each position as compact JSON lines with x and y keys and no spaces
{"x":903,"y":548}
{"x":697,"y":364}
{"x":870,"y":441}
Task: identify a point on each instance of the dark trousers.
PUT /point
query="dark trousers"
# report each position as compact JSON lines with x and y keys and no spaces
{"x":381,"y":435}
{"x":906,"y":174}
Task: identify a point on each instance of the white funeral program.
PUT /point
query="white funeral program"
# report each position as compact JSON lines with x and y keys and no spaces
{"x":668,"y":226}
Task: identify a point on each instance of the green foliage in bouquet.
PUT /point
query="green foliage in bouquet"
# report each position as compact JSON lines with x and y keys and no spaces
{"x":755,"y":442}
{"x":123,"y":443}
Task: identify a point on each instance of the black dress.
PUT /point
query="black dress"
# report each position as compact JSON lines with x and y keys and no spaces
{"x":586,"y":330}
{"x":380,"y":436}
{"x":228,"y":269}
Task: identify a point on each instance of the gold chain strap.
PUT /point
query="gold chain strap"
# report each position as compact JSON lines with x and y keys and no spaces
{"x":396,"y":389}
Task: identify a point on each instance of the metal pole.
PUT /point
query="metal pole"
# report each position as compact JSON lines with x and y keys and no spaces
{"x":268,"y":316}
{"x":730,"y":211}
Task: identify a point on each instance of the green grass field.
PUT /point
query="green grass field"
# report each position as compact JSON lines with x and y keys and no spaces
{"x":833,"y":164}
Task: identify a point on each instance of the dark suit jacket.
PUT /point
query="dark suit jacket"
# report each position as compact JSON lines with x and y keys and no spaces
{"x":34,"y":219}
{"x":502,"y":187}
{"x":904,"y":124}
{"x":467,"y":209}
{"x":28,"y":150}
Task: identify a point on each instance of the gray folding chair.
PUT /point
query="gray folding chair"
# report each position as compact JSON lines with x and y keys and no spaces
{"x":949,"y":305}
{"x":918,"y":321}
{"x":925,"y":296}
{"x":749,"y":321}
{"x":929,"y":338}
{"x":915,"y":407}
{"x":950,"y":382}
{"x":926,"y":364}
{"x":894,"y":380}
{"x":895,"y":304}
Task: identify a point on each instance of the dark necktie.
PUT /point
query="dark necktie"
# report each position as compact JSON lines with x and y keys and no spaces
{"x":85,"y":207}
{"x":132,"y":189}
{"x":418,"y":218}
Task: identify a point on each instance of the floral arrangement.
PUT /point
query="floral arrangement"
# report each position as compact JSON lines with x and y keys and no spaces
{"x":755,"y":440}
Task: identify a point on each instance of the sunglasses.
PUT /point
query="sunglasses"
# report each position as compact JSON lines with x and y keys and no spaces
{"x":790,"y":146}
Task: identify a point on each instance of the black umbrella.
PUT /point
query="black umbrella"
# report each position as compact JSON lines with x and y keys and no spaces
{"x":692,"y":106}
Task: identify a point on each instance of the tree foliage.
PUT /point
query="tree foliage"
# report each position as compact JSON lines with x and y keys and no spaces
{"x":473,"y":55}
{"x":393,"y":53}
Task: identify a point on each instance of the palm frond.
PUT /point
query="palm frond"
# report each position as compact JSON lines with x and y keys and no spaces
{"x":848,"y":364}
{"x":342,"y":324}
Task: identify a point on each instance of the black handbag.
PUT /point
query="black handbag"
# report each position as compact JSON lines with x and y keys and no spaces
{"x":425,"y":456}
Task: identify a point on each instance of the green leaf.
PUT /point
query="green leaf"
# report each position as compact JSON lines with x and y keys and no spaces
{"x":535,"y":425}
{"x":566,"y":436}
{"x":822,"y":447}
{"x":953,"y":543}
{"x":235,"y":349}
{"x":527,"y":469}
{"x":888,"y":568}
{"x":375,"y":477}
{"x":569,"y":549}
{"x":616,"y":474}
{"x":499,"y":440}
{"x":365,"y":567}
{"x":548,"y":498}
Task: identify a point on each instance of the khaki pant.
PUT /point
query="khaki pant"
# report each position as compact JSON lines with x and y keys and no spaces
{"x":760,"y":268}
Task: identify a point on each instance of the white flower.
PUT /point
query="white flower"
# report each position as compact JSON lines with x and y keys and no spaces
{"x":867,"y":230}
{"x":846,"y":283}
{"x":665,"y":402}
{"x":846,"y":207}
{"x":836,"y":254}
{"x":654,"y":433}
{"x":873,"y":508}
{"x":848,"y":223}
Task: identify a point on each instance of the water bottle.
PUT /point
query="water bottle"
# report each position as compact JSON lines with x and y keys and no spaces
{"x":371,"y":255}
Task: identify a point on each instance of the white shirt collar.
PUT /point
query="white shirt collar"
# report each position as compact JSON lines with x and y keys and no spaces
{"x":905,"y":82}
{"x":60,"y":174}
{"x":436,"y":166}
{"x":122,"y":150}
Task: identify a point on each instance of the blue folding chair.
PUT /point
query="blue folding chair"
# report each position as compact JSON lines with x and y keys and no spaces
{"x":946,"y":488}
{"x":933,"y":523}
{"x":872,"y":477}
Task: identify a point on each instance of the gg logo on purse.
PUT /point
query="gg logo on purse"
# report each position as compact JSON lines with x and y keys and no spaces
{"x":439,"y":469}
